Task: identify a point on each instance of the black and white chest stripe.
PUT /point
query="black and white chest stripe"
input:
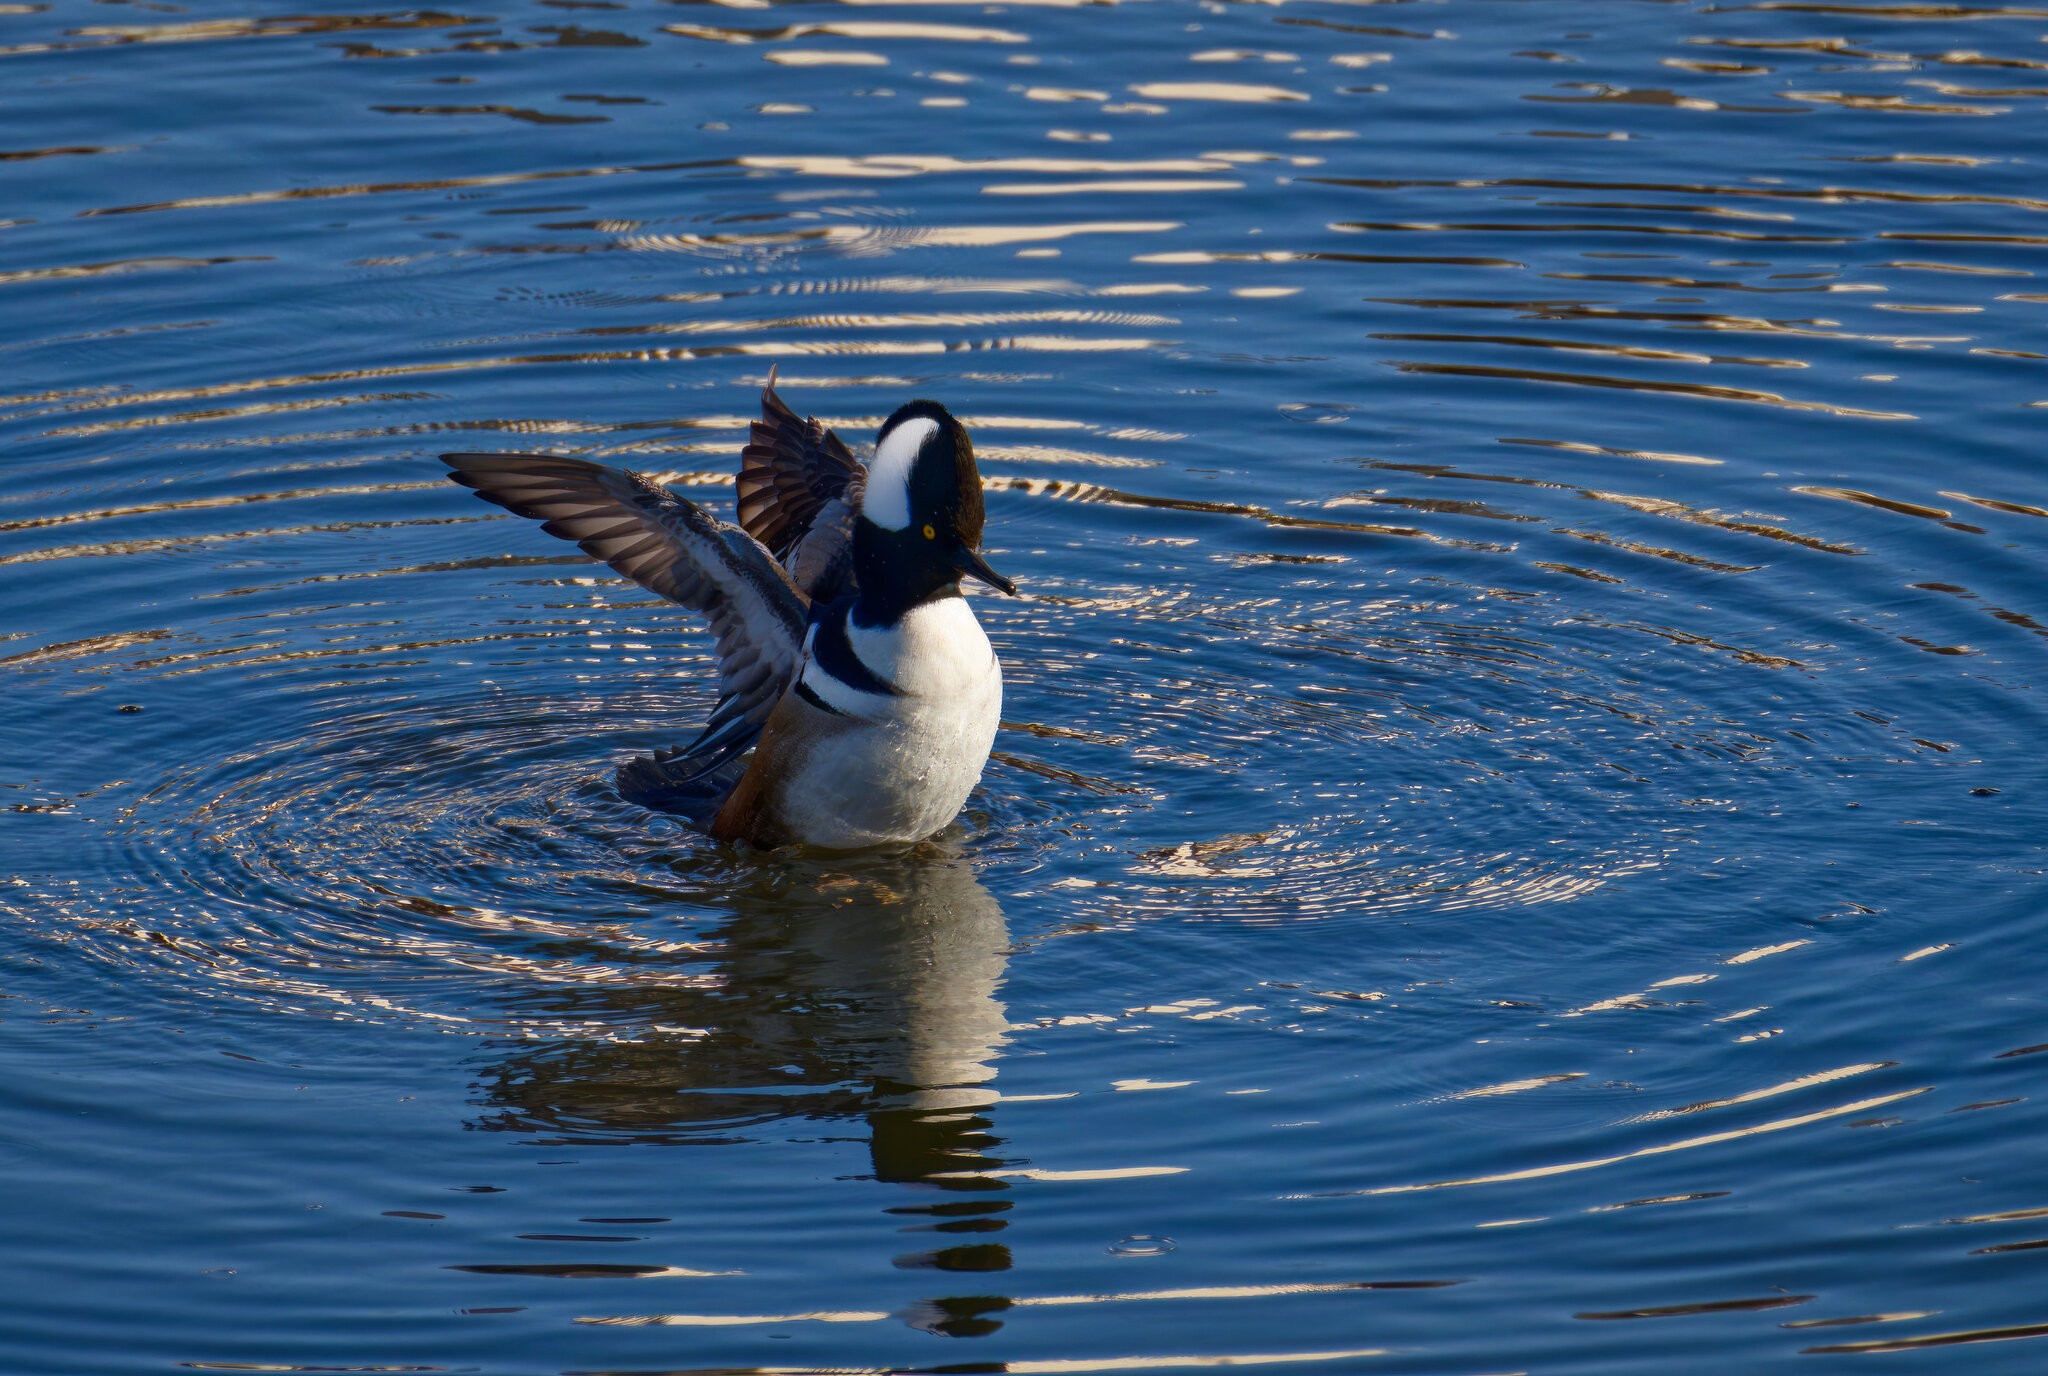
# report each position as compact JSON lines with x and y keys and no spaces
{"x":835,"y":678}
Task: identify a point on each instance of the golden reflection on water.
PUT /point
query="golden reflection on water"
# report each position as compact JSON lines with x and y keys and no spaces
{"x":847,"y":28}
{"x":891,"y":165}
{"x":1687,"y":389}
{"x":123,"y":265}
{"x":1596,"y":1163}
{"x":1955,"y":1339}
{"x":1672,"y":1311}
{"x":1235,"y":92}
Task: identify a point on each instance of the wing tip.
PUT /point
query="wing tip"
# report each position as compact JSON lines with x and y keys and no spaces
{"x":463,"y":458}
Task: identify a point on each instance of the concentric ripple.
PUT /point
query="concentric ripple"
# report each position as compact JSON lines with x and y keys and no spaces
{"x":1519,"y":810}
{"x":427,"y":830}
{"x":1421,"y":752}
{"x":423,"y":860}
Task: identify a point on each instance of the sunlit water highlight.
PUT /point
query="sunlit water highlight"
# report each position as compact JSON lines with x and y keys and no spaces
{"x":1517,"y":839}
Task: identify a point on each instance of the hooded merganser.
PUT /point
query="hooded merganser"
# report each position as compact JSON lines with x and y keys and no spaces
{"x":849,"y":663}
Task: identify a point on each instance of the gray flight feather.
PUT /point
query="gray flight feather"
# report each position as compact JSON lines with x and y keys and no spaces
{"x":671,"y":546}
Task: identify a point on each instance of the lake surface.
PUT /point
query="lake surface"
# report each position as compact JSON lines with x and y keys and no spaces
{"x":1518,"y":841}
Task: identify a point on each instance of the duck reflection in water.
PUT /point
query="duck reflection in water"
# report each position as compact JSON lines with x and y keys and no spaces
{"x":860,"y":988}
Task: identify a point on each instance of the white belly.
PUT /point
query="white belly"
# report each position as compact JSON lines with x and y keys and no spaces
{"x":899,"y":768}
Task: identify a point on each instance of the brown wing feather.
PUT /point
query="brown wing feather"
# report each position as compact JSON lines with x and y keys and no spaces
{"x":798,"y":489}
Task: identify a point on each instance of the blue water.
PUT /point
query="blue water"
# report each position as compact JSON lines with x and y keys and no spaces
{"x":1518,"y":841}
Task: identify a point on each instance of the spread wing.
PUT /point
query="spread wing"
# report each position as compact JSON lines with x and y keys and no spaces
{"x":670,"y":546}
{"x":799,"y":491}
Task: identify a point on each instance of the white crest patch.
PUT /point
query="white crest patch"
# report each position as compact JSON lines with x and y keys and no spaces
{"x":887,"y":499}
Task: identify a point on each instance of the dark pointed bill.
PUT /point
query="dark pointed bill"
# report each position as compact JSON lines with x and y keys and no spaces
{"x":970,"y":562}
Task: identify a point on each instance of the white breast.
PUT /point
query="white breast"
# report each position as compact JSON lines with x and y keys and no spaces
{"x":936,"y":650}
{"x":899,"y":767}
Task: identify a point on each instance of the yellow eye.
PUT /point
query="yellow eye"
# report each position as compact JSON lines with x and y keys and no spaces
{"x":930,"y":534}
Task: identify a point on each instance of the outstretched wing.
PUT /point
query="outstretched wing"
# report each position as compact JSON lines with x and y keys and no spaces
{"x":799,"y":491}
{"x":671,"y":546}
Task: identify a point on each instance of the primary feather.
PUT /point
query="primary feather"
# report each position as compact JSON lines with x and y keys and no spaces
{"x":671,"y":546}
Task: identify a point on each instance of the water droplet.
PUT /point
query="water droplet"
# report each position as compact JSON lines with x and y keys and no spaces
{"x":1141,"y":1245}
{"x":1316,"y":412}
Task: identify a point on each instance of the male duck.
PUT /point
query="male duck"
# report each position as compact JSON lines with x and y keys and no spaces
{"x":848,"y":660}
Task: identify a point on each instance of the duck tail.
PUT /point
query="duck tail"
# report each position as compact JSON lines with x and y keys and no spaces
{"x":678,"y":782}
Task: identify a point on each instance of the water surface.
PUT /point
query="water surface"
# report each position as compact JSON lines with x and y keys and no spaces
{"x":1517,"y":843}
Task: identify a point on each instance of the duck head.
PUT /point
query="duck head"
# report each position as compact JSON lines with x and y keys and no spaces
{"x":919,"y":531}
